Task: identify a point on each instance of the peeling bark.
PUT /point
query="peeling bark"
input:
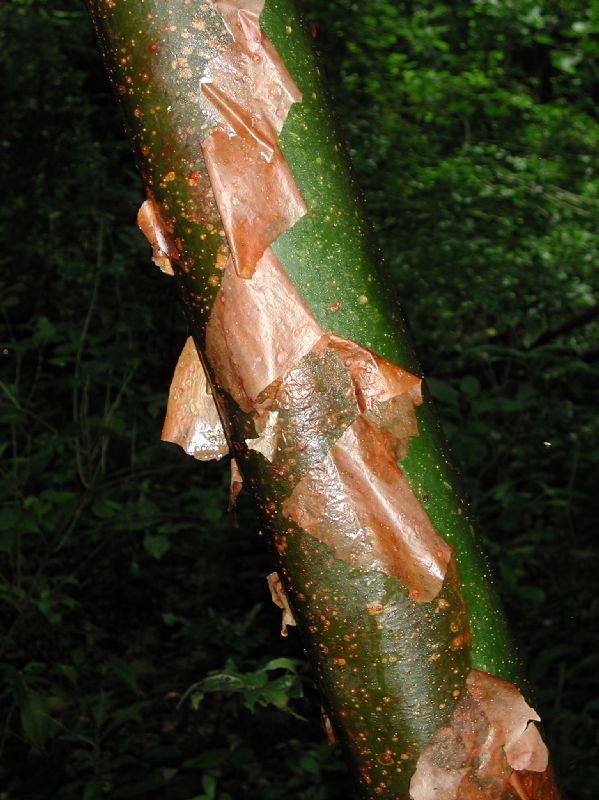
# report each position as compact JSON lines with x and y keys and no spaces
{"x":490,"y":736}
{"x":358,"y":502}
{"x":258,"y":329}
{"x":253,"y":210}
{"x":279,"y":598}
{"x":192,"y":420}
{"x":236,"y":485}
{"x":152,"y":226}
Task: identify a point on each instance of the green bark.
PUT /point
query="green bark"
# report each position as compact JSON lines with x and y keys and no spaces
{"x":387,"y":687}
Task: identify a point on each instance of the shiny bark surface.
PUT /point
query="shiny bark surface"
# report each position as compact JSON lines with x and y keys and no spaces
{"x":258,"y":218}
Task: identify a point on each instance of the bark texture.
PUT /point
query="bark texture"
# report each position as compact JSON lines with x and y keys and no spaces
{"x":315,"y":387}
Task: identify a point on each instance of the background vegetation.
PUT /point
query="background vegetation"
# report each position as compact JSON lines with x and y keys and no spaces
{"x":140,"y":654}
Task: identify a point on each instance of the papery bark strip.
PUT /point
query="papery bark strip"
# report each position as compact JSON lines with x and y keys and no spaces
{"x":236,"y":485}
{"x":358,"y":501}
{"x":192,"y":420}
{"x":491,"y":734}
{"x":279,"y":598}
{"x":259,"y":328}
{"x":251,"y":92}
{"x":152,"y":226}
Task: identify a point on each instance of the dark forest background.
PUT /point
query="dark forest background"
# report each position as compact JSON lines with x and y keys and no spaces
{"x":140,"y":653}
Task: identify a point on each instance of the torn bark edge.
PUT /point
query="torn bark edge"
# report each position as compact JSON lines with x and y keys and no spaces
{"x":192,"y":419}
{"x":327,"y":726}
{"x":236,"y":485}
{"x":279,"y":598}
{"x":359,"y":487}
{"x":154,"y":229}
{"x":491,"y":737}
{"x":249,"y":88}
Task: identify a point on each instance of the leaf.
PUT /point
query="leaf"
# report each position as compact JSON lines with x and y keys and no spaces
{"x":140,"y":788}
{"x":443,"y":391}
{"x":37,"y":724}
{"x":156,"y":544}
{"x":58,"y":497}
{"x":209,"y":785}
{"x":17,"y":521}
{"x":45,"y":330}
{"x":470,"y":386}
{"x":282,"y":663}
{"x":125,"y":672}
{"x":213,"y":758}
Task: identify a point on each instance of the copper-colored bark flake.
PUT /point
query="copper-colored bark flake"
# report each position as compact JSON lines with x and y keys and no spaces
{"x":376,"y":380}
{"x":238,"y":120}
{"x":327,"y":726}
{"x":358,"y":501}
{"x":192,"y":420}
{"x":397,"y":418}
{"x":152,"y":226}
{"x":250,"y":69}
{"x":236,"y":485}
{"x":279,"y":598}
{"x":315,"y":404}
{"x":257,"y":199}
{"x":268,"y":434}
{"x":535,"y":785}
{"x":491,"y":733}
{"x":229,"y":9}
{"x":509,"y":716}
{"x":248,"y":90}
{"x":385,"y":393}
{"x":259,"y":328}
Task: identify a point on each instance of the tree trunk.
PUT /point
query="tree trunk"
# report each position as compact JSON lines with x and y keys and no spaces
{"x":251,"y":206}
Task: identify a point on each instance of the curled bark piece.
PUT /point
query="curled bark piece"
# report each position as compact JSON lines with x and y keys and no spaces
{"x":509,"y":716}
{"x":397,"y":418}
{"x":386,"y":394}
{"x":279,"y":598}
{"x":236,"y":485}
{"x":257,"y":198}
{"x":153,"y":228}
{"x":376,"y":380}
{"x":491,"y":733}
{"x":268,"y":434}
{"x":192,"y":420}
{"x":327,"y":726}
{"x":358,"y":502}
{"x":249,"y":70}
{"x":259,"y":328}
{"x":249,"y":90}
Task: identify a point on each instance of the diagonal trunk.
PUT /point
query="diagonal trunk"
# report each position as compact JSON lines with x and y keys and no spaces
{"x":251,"y":207}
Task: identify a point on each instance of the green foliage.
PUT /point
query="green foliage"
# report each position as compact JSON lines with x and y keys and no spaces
{"x":137,"y":626}
{"x":255,"y":688}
